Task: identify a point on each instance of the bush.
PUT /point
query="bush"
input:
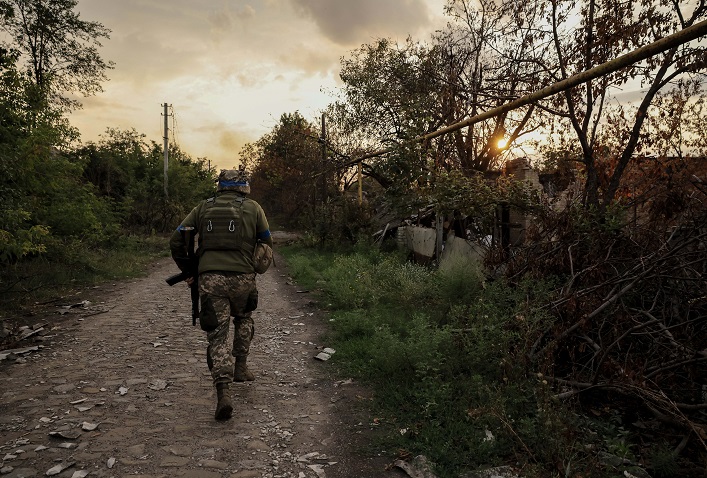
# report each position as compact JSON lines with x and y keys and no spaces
{"x":445,"y":353}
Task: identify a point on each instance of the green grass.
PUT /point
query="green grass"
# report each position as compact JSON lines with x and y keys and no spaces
{"x":71,"y":266}
{"x":445,"y":354}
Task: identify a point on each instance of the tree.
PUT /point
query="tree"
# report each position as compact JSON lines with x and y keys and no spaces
{"x":58,"y":52}
{"x":605,"y":30}
{"x":128,"y":173}
{"x":18,"y":236}
{"x":283,"y":164}
{"x":393,"y":93}
{"x":489,"y":58}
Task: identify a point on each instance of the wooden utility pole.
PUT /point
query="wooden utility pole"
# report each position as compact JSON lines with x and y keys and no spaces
{"x":360,"y":184}
{"x":323,"y":142}
{"x":166,"y":148}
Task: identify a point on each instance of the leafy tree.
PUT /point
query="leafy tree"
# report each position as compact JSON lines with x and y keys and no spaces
{"x":129,"y":173}
{"x":18,"y":237}
{"x":393,"y":93}
{"x":57,"y":50}
{"x":283,"y":164}
{"x":605,"y":30}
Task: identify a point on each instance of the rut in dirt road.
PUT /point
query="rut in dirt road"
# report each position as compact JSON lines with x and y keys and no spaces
{"x":122,"y":388}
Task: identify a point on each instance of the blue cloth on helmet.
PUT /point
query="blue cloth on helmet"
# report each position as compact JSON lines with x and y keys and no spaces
{"x":231,"y":184}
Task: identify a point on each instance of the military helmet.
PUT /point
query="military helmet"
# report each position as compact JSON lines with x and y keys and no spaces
{"x":234,"y":180}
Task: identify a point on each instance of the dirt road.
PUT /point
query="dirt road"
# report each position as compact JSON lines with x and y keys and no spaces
{"x":120,"y":388}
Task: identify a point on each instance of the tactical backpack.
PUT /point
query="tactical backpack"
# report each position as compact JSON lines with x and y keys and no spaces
{"x":222,"y":224}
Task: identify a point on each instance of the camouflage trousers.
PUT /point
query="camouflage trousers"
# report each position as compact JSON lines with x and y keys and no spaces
{"x":224,"y":295}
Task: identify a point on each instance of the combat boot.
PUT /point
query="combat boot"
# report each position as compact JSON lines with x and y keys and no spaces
{"x":241,"y":372}
{"x":224,"y":407}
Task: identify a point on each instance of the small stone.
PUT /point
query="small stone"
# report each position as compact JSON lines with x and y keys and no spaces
{"x":89,"y":427}
{"x":157,"y":384}
{"x":55,"y":470}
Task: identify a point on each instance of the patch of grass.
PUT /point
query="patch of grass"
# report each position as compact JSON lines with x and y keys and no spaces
{"x":443,"y":351}
{"x":71,"y":266}
{"x":446,"y":355}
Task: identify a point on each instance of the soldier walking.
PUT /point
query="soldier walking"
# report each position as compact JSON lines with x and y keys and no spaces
{"x":234,"y":243}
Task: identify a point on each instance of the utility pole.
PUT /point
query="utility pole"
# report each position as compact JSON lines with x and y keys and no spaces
{"x":323,"y":141}
{"x":166,"y":147}
{"x":360,"y":184}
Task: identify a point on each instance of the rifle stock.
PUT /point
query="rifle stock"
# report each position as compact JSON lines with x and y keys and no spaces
{"x":182,"y":276}
{"x":177,"y":278}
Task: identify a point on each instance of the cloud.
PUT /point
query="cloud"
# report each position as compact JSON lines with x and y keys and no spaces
{"x":351,"y":23}
{"x":230,"y":67}
{"x":225,"y":19}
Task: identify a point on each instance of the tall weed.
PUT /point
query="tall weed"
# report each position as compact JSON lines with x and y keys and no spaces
{"x":445,"y":353}
{"x":75,"y":264}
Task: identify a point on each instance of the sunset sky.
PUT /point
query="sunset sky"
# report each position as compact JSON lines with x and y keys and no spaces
{"x":230,"y":68}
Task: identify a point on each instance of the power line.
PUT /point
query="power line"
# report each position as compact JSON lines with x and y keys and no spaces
{"x":175,"y":127}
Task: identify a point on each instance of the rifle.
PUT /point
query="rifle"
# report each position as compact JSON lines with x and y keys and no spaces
{"x":194,"y":289}
{"x":190,"y":271}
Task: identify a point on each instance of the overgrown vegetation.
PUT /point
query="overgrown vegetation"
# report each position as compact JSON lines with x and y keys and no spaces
{"x":578,"y":352}
{"x":74,"y":267}
{"x":73,"y":213}
{"x":450,"y":356}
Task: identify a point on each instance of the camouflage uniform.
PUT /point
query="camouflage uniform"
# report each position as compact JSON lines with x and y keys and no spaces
{"x":230,"y":226}
{"x":224,"y":295}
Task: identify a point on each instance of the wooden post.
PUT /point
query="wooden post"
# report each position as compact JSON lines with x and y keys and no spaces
{"x":166,"y":149}
{"x":360,"y":184}
{"x":439,"y":220}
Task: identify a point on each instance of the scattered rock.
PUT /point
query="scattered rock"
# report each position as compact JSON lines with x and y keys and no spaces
{"x":89,"y":427}
{"x":64,"y":434}
{"x":157,"y":384}
{"x":13,"y":355}
{"x":55,"y":470}
{"x":498,"y":472}
{"x":419,"y":467}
